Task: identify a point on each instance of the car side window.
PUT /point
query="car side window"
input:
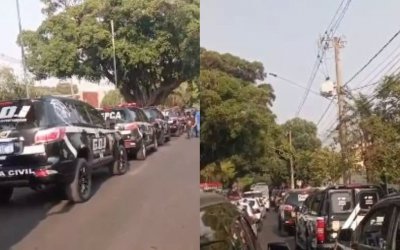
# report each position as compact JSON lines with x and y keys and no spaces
{"x":374,"y":230}
{"x":96,"y":117}
{"x":143,"y":115}
{"x":82,"y":114}
{"x":159,"y":114}
{"x":315,"y":204}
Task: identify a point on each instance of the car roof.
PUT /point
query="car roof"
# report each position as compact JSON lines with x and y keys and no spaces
{"x":253,"y":192}
{"x":210,"y":199}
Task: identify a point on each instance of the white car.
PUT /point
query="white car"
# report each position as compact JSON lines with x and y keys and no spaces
{"x":249,"y":212}
{"x":262,"y":197}
{"x":255,"y":204}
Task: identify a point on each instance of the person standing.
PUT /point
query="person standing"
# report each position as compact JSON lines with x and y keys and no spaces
{"x":197,"y":115}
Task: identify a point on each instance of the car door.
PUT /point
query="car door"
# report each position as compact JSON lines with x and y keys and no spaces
{"x":375,"y":231}
{"x":301,"y":220}
{"x":311,"y":219}
{"x":106,"y":139}
{"x":89,"y":132}
{"x":143,"y":126}
{"x":147,"y":125}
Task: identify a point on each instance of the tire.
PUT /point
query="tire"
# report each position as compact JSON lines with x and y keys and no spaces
{"x":155,"y":144}
{"x":121,"y":164}
{"x":74,"y":191}
{"x":6,"y":194}
{"x":161,"y":141}
{"x":141,"y":154}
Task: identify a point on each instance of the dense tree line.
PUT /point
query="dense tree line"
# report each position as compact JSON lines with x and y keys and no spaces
{"x":240,"y":138}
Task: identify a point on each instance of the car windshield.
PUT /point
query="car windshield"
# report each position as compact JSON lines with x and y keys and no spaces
{"x":118,"y":115}
{"x":296,"y":198}
{"x":341,"y":202}
{"x":21,"y":114}
{"x":252,"y":195}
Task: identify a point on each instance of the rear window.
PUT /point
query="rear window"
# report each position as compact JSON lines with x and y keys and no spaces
{"x":21,"y":114}
{"x":341,"y":202}
{"x":117,"y":115}
{"x":296,"y":198}
{"x":367,"y":199}
{"x":252,"y":203}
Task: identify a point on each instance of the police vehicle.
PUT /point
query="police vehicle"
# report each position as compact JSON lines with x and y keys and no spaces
{"x":137,"y":132}
{"x":324,"y":213}
{"x":160,"y":123}
{"x":55,"y":141}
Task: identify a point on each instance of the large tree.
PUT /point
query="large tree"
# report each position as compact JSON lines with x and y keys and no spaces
{"x":156,"y":44}
{"x":237,"y":122}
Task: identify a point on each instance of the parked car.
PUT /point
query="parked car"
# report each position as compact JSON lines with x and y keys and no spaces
{"x":56,"y":141}
{"x":325,"y":212}
{"x":224,"y":226}
{"x":176,"y":123}
{"x":138,"y":133}
{"x":262,"y":198}
{"x":162,"y":127}
{"x":286,"y":214}
{"x":379,"y":228}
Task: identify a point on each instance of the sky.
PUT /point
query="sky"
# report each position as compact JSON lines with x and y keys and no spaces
{"x":31,"y":18}
{"x":283,"y":34}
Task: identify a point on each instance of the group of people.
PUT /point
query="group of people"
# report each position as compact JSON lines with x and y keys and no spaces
{"x":193,"y":124}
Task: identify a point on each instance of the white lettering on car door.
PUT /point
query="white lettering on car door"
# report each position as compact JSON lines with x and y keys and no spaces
{"x":99,"y":145}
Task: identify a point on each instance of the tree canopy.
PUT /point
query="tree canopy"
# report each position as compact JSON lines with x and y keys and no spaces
{"x":156,"y":44}
{"x":240,"y":138}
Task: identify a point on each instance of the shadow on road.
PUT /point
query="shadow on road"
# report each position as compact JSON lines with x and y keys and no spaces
{"x":29,"y":208}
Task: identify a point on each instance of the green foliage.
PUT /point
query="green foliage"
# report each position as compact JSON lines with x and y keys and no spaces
{"x":156,"y":44}
{"x":374,"y":132}
{"x":186,"y":95}
{"x":237,"y":122}
{"x":112,"y":98}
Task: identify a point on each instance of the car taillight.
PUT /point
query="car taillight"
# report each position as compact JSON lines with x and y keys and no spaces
{"x":130,"y":126}
{"x":49,"y":135}
{"x":287,"y":208}
{"x":320,"y":230}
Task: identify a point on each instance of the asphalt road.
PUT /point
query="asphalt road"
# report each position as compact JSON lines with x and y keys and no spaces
{"x":270,"y":233}
{"x":151,"y":207}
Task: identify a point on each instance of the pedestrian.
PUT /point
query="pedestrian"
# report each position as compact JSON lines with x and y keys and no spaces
{"x":197,"y":115}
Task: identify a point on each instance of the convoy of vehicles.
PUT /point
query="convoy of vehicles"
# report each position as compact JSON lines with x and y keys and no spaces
{"x":58,"y":141}
{"x":353,"y":216}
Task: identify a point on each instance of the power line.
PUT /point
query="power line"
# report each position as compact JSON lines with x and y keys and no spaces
{"x":365,"y":66}
{"x":373,"y":58}
{"x":321,"y":54}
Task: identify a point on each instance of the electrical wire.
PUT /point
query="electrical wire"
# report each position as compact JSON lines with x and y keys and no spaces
{"x":321,"y":54}
{"x":365,"y":66}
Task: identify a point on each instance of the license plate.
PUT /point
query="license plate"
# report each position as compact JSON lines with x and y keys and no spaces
{"x":6,"y":148}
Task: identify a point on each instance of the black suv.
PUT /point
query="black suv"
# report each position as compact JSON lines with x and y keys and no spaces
{"x":159,"y":122}
{"x":134,"y":126}
{"x":223,"y":226}
{"x":325,"y":212}
{"x":54,"y":140}
{"x":379,"y":229}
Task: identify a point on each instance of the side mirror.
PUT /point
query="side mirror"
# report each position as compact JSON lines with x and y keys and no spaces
{"x":278,"y":246}
{"x":345,"y":234}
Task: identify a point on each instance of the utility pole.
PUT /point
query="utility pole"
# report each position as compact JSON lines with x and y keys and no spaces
{"x":291,"y":161}
{"x":338,"y":44}
{"x":22,"y":52}
{"x":114,"y":59}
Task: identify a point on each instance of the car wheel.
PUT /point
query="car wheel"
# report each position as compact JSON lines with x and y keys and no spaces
{"x":155,"y":143}
{"x":6,"y":194}
{"x":80,"y":189}
{"x":141,"y":154}
{"x":121,"y":164}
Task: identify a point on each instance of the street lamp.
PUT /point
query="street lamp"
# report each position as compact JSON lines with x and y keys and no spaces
{"x":22,"y":51}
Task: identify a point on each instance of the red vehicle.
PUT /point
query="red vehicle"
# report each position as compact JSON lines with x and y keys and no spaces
{"x":211,"y":186}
